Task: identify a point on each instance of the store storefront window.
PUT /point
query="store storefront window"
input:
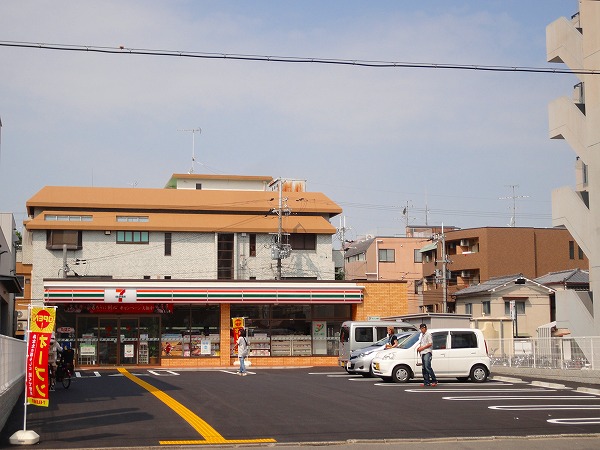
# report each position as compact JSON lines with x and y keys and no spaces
{"x":292,"y":330}
{"x":191,"y":331}
{"x":203,"y":338}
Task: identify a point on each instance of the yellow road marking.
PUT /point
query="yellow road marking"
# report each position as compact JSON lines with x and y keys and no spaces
{"x":211,"y":436}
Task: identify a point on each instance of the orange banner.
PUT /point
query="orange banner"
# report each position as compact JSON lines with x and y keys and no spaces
{"x":38,"y":380}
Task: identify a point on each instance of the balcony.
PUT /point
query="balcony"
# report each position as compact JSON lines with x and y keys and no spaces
{"x":569,"y":209}
{"x":564,"y":43}
{"x":566,"y":121}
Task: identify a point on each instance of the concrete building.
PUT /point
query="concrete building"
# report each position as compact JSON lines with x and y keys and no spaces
{"x":478,"y":254}
{"x":158,"y":276}
{"x":575,"y":41}
{"x":9,"y":284}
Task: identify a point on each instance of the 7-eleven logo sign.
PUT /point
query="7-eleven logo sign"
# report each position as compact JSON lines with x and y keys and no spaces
{"x":120,"y":295}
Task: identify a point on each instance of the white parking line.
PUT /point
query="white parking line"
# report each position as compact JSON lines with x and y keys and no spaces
{"x":501,"y":397}
{"x":576,"y":421}
{"x":235,"y":372}
{"x":480,"y":390}
{"x":161,"y":373}
{"x":542,"y":407}
{"x":329,"y":373}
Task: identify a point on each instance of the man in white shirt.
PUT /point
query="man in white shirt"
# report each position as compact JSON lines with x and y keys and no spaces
{"x":425,"y":349}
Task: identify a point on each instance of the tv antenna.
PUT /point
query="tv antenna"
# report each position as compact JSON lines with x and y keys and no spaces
{"x":513,"y":219}
{"x":193,"y":131}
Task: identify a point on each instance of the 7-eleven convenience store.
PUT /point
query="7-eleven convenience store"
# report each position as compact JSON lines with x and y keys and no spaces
{"x":175,"y":323}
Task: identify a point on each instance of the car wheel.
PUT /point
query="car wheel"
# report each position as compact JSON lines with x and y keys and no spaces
{"x":479,"y":373}
{"x":462,"y":379}
{"x":401,"y":374}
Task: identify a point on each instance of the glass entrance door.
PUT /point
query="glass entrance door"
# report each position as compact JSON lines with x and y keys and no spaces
{"x":128,"y":341}
{"x":110,"y":341}
{"x":107,"y":341}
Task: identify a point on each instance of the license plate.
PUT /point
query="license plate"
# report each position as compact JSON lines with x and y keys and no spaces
{"x":348,"y":365}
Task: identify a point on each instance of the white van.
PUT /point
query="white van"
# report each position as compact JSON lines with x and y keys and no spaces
{"x":457,"y":353}
{"x":355,"y":335}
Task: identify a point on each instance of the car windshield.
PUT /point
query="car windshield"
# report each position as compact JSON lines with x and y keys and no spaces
{"x":410,"y":340}
{"x":385,"y":340}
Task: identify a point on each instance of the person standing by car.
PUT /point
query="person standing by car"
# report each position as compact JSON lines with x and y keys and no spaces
{"x":425,"y":349}
{"x":392,"y":338}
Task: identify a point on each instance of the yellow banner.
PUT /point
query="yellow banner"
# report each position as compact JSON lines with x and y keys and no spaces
{"x":237,"y":322}
{"x":42,"y":319}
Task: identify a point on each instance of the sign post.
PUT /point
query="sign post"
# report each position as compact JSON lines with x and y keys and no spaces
{"x":40,"y":325}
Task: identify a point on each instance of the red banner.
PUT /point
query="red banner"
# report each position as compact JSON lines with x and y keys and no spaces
{"x":38,"y":380}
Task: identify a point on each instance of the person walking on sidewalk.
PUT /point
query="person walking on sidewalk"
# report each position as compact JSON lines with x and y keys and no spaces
{"x":425,"y":349}
{"x":243,"y":350}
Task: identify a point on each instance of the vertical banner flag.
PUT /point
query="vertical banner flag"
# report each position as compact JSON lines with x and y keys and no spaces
{"x":238,"y":324}
{"x":38,"y":380}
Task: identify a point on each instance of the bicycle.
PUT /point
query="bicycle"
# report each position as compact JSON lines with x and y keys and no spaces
{"x":62,"y":374}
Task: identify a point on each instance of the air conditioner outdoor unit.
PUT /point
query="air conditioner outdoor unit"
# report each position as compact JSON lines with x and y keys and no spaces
{"x":21,"y":325}
{"x":464,"y":242}
{"x":20,"y":314}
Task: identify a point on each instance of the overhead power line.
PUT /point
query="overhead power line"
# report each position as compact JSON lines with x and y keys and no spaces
{"x":292,"y":59}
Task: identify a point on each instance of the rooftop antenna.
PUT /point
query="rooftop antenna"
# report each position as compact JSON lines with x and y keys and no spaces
{"x":193,"y":131}
{"x":513,"y":219}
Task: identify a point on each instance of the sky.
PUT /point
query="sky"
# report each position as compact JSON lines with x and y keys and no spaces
{"x":453,"y":147}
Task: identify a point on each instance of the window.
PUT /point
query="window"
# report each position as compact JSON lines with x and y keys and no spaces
{"x":21,"y":280}
{"x":468,"y":308}
{"x":132,"y":218}
{"x":463,"y":339}
{"x":571,"y":250}
{"x":198,"y":186}
{"x":302,"y":241}
{"x":252,"y":238}
{"x":168,"y":241}
{"x":54,"y":218}
{"x":486,"y":307}
{"x":580,"y":253}
{"x":386,"y":255}
{"x":225,"y":256}
{"x":363,"y":334}
{"x":132,"y":237}
{"x":519,"y":305}
{"x":55,"y":239}
{"x":418,"y":255}
{"x":439,"y":340}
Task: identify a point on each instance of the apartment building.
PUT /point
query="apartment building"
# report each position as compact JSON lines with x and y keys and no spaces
{"x":476,"y":255}
{"x":575,"y":41}
{"x":387,"y":259}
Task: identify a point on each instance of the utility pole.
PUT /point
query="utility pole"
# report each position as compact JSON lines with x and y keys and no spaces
{"x":279,"y":250}
{"x":441,"y":237}
{"x":513,"y":219}
{"x":193,"y":131}
{"x":341,"y":231}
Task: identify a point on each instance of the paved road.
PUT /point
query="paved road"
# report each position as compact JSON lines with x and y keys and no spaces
{"x":141,"y":408}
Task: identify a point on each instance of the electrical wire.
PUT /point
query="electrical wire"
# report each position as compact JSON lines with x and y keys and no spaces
{"x":292,"y":59}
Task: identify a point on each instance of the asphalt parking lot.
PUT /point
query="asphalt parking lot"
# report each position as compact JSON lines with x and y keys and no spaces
{"x":146,"y":408}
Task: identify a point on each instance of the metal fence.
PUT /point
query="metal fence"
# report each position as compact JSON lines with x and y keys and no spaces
{"x":577,"y":353}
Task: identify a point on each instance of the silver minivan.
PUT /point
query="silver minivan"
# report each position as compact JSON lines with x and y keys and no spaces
{"x":360,"y":360}
{"x":457,"y":353}
{"x":356,"y":334}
